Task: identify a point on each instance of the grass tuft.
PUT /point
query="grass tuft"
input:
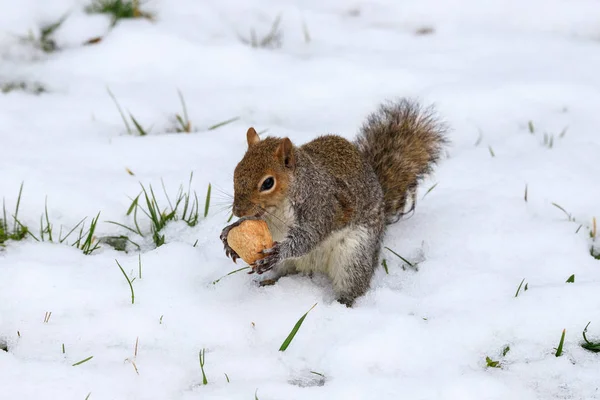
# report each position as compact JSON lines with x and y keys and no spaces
{"x":525,"y":196}
{"x":119,"y":9}
{"x":44,"y":40}
{"x":35,"y":88}
{"x":492,"y":364}
{"x":295,"y":329}
{"x":186,"y":208}
{"x":491,"y":151}
{"x":272,"y":40}
{"x":18,"y":231}
{"x":90,"y":244}
{"x":571,"y":279}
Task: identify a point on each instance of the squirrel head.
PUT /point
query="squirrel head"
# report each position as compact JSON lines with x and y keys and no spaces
{"x":261,"y":179}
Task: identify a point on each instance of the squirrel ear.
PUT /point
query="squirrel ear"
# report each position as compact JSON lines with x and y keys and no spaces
{"x":285,"y":154}
{"x":252,"y":137}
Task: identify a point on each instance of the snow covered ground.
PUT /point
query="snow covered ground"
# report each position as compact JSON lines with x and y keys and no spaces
{"x":489,"y":67}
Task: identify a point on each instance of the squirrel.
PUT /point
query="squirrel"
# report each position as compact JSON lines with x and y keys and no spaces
{"x":327,"y":202}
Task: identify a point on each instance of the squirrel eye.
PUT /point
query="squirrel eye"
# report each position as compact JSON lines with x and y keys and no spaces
{"x":267,"y":184}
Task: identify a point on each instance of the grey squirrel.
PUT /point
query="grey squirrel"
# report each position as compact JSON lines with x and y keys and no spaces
{"x":327,"y":202}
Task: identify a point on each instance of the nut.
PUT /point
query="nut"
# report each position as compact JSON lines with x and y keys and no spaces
{"x":249,"y":239}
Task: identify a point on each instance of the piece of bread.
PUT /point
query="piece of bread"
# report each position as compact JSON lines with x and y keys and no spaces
{"x":249,"y":239}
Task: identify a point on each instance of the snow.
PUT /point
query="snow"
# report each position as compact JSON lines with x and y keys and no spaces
{"x":489,"y":67}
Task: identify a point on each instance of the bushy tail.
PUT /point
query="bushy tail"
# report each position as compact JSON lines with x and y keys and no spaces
{"x":402,"y":142}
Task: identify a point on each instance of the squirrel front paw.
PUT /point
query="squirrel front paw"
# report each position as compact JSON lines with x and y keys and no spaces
{"x":265,"y":264}
{"x":229,"y":252}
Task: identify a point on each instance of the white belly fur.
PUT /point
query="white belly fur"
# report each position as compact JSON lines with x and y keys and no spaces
{"x":335,"y":255}
{"x":332,"y":257}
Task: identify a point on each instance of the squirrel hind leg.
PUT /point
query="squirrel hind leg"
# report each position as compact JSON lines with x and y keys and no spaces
{"x":353,"y":262}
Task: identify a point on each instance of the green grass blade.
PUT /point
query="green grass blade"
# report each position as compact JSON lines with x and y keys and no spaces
{"x":201,"y":356}
{"x":185,"y":113}
{"x":122,"y":226}
{"x":120,"y":110}
{"x":48,"y":227}
{"x":25,"y":229}
{"x":563,"y":210}
{"x":61,"y":240}
{"x":17,"y":207}
{"x":559,"y":350}
{"x":385,"y":267}
{"x":226,"y":275}
{"x":519,"y":288}
{"x":295,"y":329}
{"x":400,"y":257}
{"x":571,"y":279}
{"x":139,"y":128}
{"x":82,"y":361}
{"x":429,"y":190}
{"x":133,"y":205}
{"x":128,"y":281}
{"x":207,"y":202}
{"x":220,"y":124}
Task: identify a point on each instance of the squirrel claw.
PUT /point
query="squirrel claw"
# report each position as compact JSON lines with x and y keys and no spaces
{"x":267,"y":263}
{"x":229,"y":252}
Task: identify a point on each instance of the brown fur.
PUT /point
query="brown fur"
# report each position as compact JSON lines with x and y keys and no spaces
{"x":261,"y":159}
{"x":402,"y":142}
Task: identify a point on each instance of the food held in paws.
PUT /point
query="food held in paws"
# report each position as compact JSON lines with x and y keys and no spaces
{"x":249,"y":239}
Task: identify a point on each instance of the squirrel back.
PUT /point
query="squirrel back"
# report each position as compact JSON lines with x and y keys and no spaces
{"x":402,"y":142}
